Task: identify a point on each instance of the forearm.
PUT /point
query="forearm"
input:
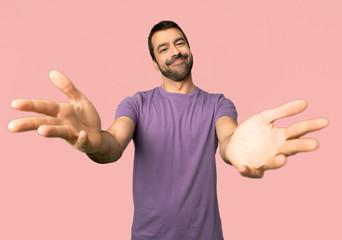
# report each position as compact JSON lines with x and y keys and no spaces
{"x":110,"y":150}
{"x":225,"y":127}
{"x":223,"y":150}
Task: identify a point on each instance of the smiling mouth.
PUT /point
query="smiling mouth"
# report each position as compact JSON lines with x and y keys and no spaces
{"x":178,"y":61}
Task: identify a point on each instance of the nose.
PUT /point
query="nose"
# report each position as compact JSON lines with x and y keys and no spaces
{"x":174,"y":51}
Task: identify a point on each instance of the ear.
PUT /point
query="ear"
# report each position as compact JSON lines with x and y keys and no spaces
{"x":155,"y":65}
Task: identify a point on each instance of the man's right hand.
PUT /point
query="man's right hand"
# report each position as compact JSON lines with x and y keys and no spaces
{"x":77,"y":122}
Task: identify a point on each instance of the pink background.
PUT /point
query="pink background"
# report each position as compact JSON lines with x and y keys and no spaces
{"x":260,"y":54}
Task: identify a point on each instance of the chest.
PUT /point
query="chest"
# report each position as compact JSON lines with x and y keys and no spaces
{"x":169,"y":121}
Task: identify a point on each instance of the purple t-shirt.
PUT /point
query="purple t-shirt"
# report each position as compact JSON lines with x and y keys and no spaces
{"x":174,"y":178}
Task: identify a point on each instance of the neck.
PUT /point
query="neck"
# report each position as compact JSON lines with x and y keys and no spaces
{"x":184,"y":87}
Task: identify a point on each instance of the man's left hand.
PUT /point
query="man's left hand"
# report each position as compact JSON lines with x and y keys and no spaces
{"x":257,"y":145}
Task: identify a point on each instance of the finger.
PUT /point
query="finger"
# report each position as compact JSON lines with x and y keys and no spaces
{"x":36,"y":105}
{"x":82,"y":141}
{"x":301,"y":128}
{"x":82,"y":138}
{"x":33,"y":123}
{"x":294,"y":146}
{"x":276,"y":162}
{"x":287,"y":109}
{"x":64,"y":84}
{"x":248,"y":172}
{"x":52,"y":131}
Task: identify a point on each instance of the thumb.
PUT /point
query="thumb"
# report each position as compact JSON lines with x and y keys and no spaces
{"x":288,"y":109}
{"x":64,"y":84}
{"x":82,"y":141}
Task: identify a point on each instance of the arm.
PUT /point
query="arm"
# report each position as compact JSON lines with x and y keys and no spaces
{"x":257,"y":145}
{"x":225,"y":127}
{"x":77,"y":122}
{"x":114,"y":141}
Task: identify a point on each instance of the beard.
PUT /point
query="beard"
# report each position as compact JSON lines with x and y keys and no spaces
{"x":181,"y":71}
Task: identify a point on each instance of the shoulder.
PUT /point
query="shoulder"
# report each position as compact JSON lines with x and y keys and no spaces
{"x":131,"y":106}
{"x":140,"y":96}
{"x":216,"y":97}
{"x":144,"y":94}
{"x":222,"y":105}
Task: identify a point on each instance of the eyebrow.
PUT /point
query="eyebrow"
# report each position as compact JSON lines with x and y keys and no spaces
{"x":165,"y":43}
{"x":161,"y":45}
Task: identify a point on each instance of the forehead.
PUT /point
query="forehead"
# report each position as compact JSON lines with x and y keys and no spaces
{"x":165,"y":36}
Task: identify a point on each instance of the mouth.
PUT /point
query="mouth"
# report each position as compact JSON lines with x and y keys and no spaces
{"x":178,"y":61}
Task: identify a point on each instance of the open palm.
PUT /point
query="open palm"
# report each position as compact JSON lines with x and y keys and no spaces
{"x":257,"y":145}
{"x":77,"y":121}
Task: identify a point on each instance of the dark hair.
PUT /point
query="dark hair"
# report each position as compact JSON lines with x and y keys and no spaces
{"x":162,"y":26}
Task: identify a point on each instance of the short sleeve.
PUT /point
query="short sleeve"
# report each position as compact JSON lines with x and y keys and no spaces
{"x":127,"y":108}
{"x":225,"y":107}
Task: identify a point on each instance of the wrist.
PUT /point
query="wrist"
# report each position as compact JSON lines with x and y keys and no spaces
{"x":106,"y":150}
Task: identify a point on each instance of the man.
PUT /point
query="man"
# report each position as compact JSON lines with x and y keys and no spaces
{"x":176,"y":129}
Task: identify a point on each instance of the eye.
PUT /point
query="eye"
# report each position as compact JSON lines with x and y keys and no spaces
{"x":180,"y":43}
{"x":162,"y":50}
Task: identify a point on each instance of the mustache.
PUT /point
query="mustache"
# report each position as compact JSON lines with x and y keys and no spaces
{"x":179,"y":56}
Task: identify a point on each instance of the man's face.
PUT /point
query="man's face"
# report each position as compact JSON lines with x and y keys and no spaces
{"x":173,"y":55}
